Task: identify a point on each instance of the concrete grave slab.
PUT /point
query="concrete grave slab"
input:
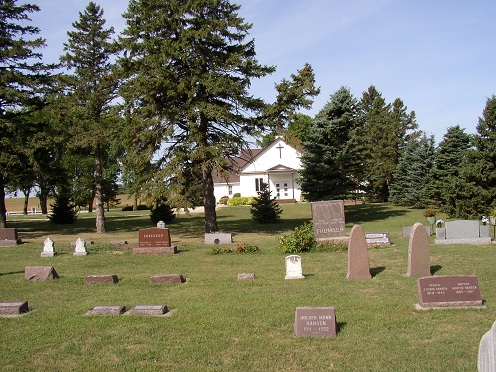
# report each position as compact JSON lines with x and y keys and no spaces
{"x":15,"y":307}
{"x":101,"y":279}
{"x":167,"y":279}
{"x":148,"y":310}
{"x":107,"y":310}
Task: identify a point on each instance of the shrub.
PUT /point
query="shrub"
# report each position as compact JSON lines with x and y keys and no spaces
{"x":299,"y":241}
{"x":223,"y":200}
{"x":331,"y":247}
{"x":162,"y":212}
{"x":242,"y":200}
{"x":237,"y":195}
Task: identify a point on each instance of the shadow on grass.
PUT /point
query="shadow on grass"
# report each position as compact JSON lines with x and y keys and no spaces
{"x":12,"y":273}
{"x":340,"y":326}
{"x":372,"y":212}
{"x":374,"y":271}
{"x":435,"y":269}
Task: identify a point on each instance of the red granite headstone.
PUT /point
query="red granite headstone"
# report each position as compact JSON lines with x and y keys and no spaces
{"x":449,"y":291}
{"x":101,"y":279}
{"x":8,"y":236}
{"x":315,"y":321}
{"x":167,"y":279}
{"x":418,"y":252}
{"x":155,"y":240}
{"x":358,"y":255}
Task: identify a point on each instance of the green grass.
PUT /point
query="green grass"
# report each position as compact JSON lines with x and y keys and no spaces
{"x":220,"y":324}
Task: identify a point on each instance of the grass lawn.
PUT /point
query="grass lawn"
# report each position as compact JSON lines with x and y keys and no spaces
{"x":221,"y":324}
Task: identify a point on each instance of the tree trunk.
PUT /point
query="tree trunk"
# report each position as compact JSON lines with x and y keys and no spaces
{"x":26,"y":192}
{"x":3,"y":209}
{"x":43,"y":202}
{"x":91,"y":202}
{"x":135,"y":204}
{"x":99,"y":207}
{"x":209,"y":201}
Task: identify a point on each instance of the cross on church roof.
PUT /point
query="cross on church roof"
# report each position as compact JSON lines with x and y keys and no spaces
{"x":280,"y":147}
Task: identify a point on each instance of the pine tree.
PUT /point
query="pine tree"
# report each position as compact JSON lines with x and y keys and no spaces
{"x":265,"y":209}
{"x":188,"y":73}
{"x":63,"y":210}
{"x":23,"y":82}
{"x":413,"y":173}
{"x":330,"y":163}
{"x":162,"y":211}
{"x":92,"y":87}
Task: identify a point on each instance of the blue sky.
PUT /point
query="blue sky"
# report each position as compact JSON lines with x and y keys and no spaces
{"x":438,"y":56}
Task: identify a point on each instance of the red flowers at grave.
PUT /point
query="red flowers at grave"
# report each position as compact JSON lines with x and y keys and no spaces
{"x":430,"y":212}
{"x":240,"y":248}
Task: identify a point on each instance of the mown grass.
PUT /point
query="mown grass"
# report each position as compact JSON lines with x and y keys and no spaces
{"x":221,"y":324}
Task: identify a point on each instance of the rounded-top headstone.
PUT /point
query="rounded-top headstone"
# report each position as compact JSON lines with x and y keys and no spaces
{"x":419,"y":263}
{"x":358,"y":255}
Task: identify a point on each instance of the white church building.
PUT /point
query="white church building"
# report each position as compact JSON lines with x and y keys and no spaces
{"x":277,"y":165}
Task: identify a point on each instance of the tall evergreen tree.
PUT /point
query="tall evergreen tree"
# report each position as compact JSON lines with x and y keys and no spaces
{"x":22,"y":78}
{"x":188,"y":71}
{"x":91,"y":89}
{"x":330,"y":163}
{"x":387,"y":129}
{"x":413,"y":172}
{"x":265,"y":209}
{"x":447,"y":163}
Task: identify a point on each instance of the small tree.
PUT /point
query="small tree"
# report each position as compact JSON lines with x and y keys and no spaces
{"x":162,"y":212}
{"x":265,"y":208}
{"x":63,"y":210}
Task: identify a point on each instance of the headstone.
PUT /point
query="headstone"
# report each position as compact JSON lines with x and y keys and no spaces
{"x":167,"y":279}
{"x":48,"y":249}
{"x":218,"y":238}
{"x":449,"y":291}
{"x":40,"y":273}
{"x":419,"y":263}
{"x":161,"y":224}
{"x":8,"y":237}
{"x":246,"y":276}
{"x":464,"y":232}
{"x":486,"y":361}
{"x":358,"y":255}
{"x":101,"y":279}
{"x":148,"y":310}
{"x":408,"y":229}
{"x":11,"y":308}
{"x":328,"y":220}
{"x":293,"y":267}
{"x":315,"y":322}
{"x":80,"y":249}
{"x":155,"y":240}
{"x":379,"y":238}
{"x":107,"y":310}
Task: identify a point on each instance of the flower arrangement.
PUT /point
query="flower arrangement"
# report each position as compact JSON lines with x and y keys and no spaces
{"x":430,"y":212}
{"x":439,"y":223}
{"x":484,"y":220}
{"x":247,"y":248}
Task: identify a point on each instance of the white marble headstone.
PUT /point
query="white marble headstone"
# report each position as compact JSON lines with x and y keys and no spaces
{"x":486,"y":361}
{"x":80,"y":248}
{"x":48,"y":250}
{"x":161,"y":224}
{"x":293,"y":267}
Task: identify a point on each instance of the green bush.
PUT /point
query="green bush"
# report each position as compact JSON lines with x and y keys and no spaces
{"x":237,"y":195}
{"x":223,"y":200}
{"x":162,"y":212}
{"x":299,"y":241}
{"x":242,"y":200}
{"x":331,"y":247}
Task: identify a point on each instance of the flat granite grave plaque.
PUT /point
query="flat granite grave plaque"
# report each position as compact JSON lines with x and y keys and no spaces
{"x":101,"y":279}
{"x":449,"y":291}
{"x":107,"y":310}
{"x":379,"y":238}
{"x":155,"y":240}
{"x":167,"y":279}
{"x":148,"y":310}
{"x":315,"y":322}
{"x":11,"y":308}
{"x":328,"y":220}
{"x":8,"y":237}
{"x":246,"y":276}
{"x":218,"y":238}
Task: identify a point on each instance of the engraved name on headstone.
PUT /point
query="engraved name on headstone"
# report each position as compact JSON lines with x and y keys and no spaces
{"x":315,"y":322}
{"x":328,"y":219}
{"x":449,"y":291}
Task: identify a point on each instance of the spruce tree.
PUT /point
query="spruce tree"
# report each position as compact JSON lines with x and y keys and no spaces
{"x":63,"y":210}
{"x":23,"y":82}
{"x":330,"y":163}
{"x":413,"y":173}
{"x":188,"y":71}
{"x":265,"y":209}
{"x":162,"y":211}
{"x":92,"y":87}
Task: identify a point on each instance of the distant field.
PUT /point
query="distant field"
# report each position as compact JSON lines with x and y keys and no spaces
{"x":17,"y":204}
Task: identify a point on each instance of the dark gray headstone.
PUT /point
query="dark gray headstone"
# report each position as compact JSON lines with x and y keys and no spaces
{"x":328,"y":219}
{"x":315,"y":322}
{"x":462,"y":229}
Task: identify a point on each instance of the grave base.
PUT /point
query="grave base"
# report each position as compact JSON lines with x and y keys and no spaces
{"x":420,"y":307}
{"x":336,"y":239}
{"x":11,"y":308}
{"x":47,"y":254}
{"x":288,"y":277}
{"x":8,"y":243}
{"x":80,"y":253}
{"x":476,"y":241}
{"x":155,"y":250}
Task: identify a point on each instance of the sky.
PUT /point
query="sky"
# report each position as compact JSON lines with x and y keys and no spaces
{"x":437,"y":56}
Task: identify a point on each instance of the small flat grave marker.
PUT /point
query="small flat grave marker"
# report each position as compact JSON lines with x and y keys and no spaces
{"x":449,"y":291}
{"x":12,"y":308}
{"x":218,"y":238}
{"x":148,"y":310}
{"x":315,"y":322}
{"x":101,"y":279}
{"x":167,"y":279}
{"x":380,"y":238}
{"x":246,"y":276}
{"x":40,"y":273}
{"x":107,"y":310}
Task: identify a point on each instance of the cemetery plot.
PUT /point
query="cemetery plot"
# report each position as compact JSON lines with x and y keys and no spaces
{"x":315,"y":322}
{"x":449,"y":291}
